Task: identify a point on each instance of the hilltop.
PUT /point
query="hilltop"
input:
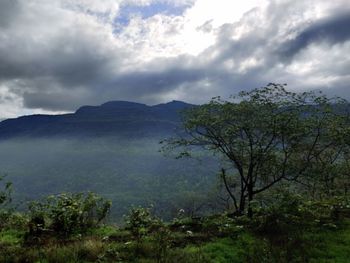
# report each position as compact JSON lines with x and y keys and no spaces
{"x":111,"y":118}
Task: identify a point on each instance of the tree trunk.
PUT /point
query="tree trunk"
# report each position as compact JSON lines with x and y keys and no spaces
{"x":241,"y":206}
{"x":250,"y":198}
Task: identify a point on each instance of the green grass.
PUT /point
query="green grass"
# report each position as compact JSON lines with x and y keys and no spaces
{"x":112,"y":244}
{"x":105,"y":231}
{"x":330,"y":245}
{"x":11,"y":237}
{"x":223,"y":250}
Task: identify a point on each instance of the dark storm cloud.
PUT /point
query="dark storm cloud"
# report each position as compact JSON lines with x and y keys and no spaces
{"x":58,"y":60}
{"x":8,"y":12}
{"x":71,"y":57}
{"x":130,"y":86}
{"x":155,"y":82}
{"x":56,"y":101}
{"x":335,"y":29}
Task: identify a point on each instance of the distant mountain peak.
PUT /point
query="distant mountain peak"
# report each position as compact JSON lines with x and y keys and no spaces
{"x":178,"y":102}
{"x":111,"y":105}
{"x":122,"y":104}
{"x":174,"y":104}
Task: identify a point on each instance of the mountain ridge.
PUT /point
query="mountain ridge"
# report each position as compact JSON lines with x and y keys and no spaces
{"x":109,"y":118}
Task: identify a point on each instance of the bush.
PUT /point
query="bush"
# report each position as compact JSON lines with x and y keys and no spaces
{"x":281,"y":217}
{"x":5,"y":200}
{"x":5,"y":194}
{"x":67,"y":214}
{"x":139,"y":222}
{"x":281,"y":226}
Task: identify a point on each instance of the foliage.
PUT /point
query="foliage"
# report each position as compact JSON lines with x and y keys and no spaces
{"x":284,"y":220}
{"x":162,"y":242}
{"x":128,"y":171}
{"x":67,"y":214}
{"x":5,"y":200}
{"x":5,"y":194}
{"x":297,"y":143}
{"x":267,"y":135}
{"x":139,"y":221}
{"x":213,"y":239}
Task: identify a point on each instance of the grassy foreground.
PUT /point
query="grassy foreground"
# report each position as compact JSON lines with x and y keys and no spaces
{"x":213,"y":239}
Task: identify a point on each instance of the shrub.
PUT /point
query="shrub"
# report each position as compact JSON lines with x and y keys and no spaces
{"x":281,"y":217}
{"x":67,"y":214}
{"x":5,"y":194}
{"x":139,"y":221}
{"x":5,"y":200}
{"x":161,"y":243}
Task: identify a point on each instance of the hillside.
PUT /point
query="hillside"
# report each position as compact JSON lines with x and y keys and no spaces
{"x":112,"y":149}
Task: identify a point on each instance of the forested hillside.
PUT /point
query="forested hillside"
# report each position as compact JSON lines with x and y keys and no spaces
{"x":113,"y":150}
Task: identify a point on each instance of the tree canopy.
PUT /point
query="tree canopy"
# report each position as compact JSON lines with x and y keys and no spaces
{"x":267,"y":135}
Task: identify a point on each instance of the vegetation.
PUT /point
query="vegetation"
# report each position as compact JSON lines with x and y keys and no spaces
{"x":269,"y":136}
{"x":126,"y":171}
{"x":287,"y":231}
{"x":67,"y":214}
{"x":284,"y":175}
{"x":5,"y":200}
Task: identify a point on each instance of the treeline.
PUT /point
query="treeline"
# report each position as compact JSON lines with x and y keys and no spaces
{"x":128,"y":172}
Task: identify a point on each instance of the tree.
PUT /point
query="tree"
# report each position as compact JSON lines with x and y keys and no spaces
{"x":267,"y":135}
{"x":329,"y":177}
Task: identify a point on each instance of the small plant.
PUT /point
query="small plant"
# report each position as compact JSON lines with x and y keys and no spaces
{"x":162,"y":241}
{"x":139,"y":221}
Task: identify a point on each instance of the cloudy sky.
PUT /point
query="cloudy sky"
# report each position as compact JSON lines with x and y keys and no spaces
{"x":60,"y":54}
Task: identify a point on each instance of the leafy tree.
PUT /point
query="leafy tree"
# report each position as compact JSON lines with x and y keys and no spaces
{"x":267,"y":135}
{"x":329,"y":177}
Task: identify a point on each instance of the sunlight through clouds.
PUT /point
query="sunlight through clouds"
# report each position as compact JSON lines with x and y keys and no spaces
{"x":156,"y":50}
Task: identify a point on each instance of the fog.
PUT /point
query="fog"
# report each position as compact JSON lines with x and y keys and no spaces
{"x":129,"y":172}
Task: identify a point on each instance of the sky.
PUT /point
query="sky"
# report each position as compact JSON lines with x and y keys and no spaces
{"x":58,"y":55}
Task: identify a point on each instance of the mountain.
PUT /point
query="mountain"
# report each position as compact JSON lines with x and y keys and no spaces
{"x":111,"y":149}
{"x":111,"y":118}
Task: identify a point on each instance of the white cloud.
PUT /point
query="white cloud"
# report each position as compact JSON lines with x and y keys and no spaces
{"x":190,"y":33}
{"x":57,"y":55}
